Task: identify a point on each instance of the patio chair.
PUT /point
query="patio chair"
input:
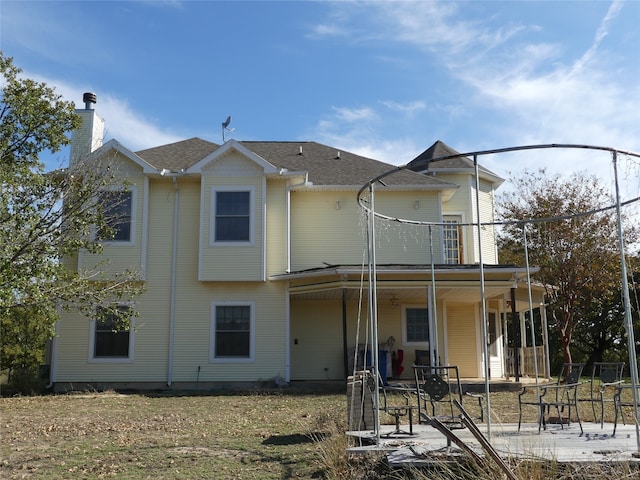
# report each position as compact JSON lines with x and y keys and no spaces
{"x":559,"y":395}
{"x":621,"y":401}
{"x":436,"y":388}
{"x":387,"y":393}
{"x":604,"y":377}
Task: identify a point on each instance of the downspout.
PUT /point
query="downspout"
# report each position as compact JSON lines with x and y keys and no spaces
{"x":287,"y":355}
{"x":345,"y":345}
{"x":304,"y":183}
{"x":172,"y":299}
{"x":52,"y":366}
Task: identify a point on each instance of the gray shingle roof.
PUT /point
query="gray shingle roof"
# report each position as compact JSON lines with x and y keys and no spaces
{"x":441,"y":149}
{"x":176,"y":156}
{"x":325,"y":166}
{"x":331,"y":166}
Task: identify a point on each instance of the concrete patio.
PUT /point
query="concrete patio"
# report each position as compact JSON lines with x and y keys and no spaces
{"x":564,"y":445}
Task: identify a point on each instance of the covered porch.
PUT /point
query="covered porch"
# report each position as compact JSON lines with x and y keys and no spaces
{"x":425,"y":315}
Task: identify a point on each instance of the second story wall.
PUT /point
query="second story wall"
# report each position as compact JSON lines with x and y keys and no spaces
{"x":232,"y":221}
{"x":462,"y":206}
{"x":127,"y":251}
{"x":276,"y":226}
{"x":329,"y":227}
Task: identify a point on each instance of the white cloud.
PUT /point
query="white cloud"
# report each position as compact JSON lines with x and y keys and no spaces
{"x":532,"y":90}
{"x":121,"y":121}
{"x":325,"y":30}
{"x":355,"y":130}
{"x":355,"y":114}
{"x":408,"y":108}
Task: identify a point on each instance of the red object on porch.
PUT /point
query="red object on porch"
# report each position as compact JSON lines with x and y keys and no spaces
{"x":396,"y":362}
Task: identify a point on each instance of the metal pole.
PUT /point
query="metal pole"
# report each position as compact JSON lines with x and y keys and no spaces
{"x":373,"y":313}
{"x":433,"y":332}
{"x":633,"y":360}
{"x":483,"y":308}
{"x":533,"y":332}
{"x":517,"y":334}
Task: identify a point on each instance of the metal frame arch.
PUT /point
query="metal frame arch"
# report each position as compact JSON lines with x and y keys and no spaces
{"x":424,"y":164}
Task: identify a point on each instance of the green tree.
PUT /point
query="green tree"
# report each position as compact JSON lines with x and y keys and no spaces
{"x":577,"y":253}
{"x":46,"y":217}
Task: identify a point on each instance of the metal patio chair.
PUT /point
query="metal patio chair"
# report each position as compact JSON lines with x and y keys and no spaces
{"x":436,"y":388}
{"x":388,"y":395}
{"x":560,"y":395}
{"x":604,"y":378}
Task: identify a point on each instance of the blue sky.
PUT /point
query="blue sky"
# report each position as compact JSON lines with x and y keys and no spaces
{"x":384,"y":79}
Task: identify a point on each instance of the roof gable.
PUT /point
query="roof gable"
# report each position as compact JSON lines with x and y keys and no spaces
{"x":227,"y":147}
{"x":459,"y":163}
{"x":114,"y":145}
{"x":179,"y":155}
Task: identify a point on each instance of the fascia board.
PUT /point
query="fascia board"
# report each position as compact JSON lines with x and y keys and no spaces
{"x":386,"y":188}
{"x":517,"y":272}
{"x":268,"y":168}
{"x":468,"y":171}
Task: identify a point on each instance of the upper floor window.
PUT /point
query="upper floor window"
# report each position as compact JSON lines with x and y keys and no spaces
{"x":117,"y":211}
{"x":452,"y":233}
{"x":232,"y":220}
{"x":110,"y":340}
{"x":232,"y":332}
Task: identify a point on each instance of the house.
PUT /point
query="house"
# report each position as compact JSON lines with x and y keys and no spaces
{"x":254,"y":259}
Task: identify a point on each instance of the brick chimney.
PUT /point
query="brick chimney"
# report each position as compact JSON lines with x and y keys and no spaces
{"x":90,"y":134}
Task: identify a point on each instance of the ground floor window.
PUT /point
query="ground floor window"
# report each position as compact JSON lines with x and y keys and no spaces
{"x":232,"y":332}
{"x":110,"y":340}
{"x":416,"y":325}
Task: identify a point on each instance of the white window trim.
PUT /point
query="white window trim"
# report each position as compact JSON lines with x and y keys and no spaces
{"x":405,"y":342}
{"x":252,"y":215}
{"x":252,"y":332}
{"x":92,"y":340}
{"x":134,"y":201}
{"x":498,"y":328}
{"x":461,"y":241}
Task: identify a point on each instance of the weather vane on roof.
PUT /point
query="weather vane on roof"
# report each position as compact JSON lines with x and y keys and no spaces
{"x":225,"y":127}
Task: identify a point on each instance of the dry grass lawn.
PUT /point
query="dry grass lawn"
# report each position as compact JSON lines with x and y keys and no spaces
{"x":226,"y":436}
{"x":108,"y":435}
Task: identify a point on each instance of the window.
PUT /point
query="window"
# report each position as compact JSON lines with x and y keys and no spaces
{"x":452,"y":234}
{"x":416,"y":325}
{"x":108,"y":342}
{"x":117,"y":209}
{"x":232,"y":331}
{"x":233,"y":217}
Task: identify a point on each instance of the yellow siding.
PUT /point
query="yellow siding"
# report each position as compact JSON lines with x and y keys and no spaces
{"x":117,"y":257}
{"x":317,"y":327}
{"x":276,"y":235}
{"x":322,"y":234}
{"x":489,"y":250}
{"x":229,"y":262}
{"x":193,"y":311}
{"x":464,"y":200}
{"x":461,"y":338}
